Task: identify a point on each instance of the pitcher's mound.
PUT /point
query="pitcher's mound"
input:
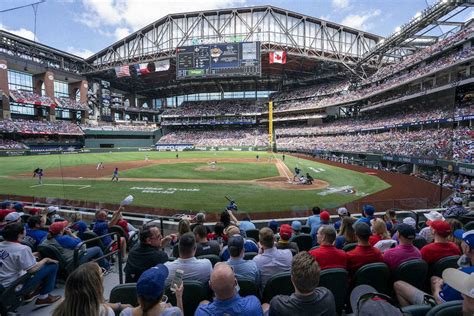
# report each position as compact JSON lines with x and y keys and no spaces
{"x":209,"y":168}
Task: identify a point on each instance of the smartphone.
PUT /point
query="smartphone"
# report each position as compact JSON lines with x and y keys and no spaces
{"x":177,"y":280}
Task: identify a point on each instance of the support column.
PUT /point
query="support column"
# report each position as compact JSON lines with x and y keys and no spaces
{"x":47,"y":79}
{"x":5,"y":113}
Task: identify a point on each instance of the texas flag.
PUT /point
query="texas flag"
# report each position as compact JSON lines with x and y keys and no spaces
{"x":277,"y":57}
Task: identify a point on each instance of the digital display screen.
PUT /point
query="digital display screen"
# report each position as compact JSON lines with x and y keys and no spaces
{"x":218,"y":60}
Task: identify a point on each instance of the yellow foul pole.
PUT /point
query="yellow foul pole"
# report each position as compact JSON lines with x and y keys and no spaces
{"x":270,"y":124}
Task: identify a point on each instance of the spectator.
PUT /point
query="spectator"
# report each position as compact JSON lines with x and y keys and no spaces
{"x":52,"y":215}
{"x":150,"y":290}
{"x":273,"y":225}
{"x":314,"y":221}
{"x":13,"y":217}
{"x":347,"y":234}
{"x":17,"y":260}
{"x":204,"y":246}
{"x":84,"y":294}
{"x":463,"y":283}
{"x":101,"y":227}
{"x":284,"y":241}
{"x":457,"y":210}
{"x":441,"y":247}
{"x":35,"y":233}
{"x":242,"y":268}
{"x":246,"y":224}
{"x":228,"y":301}
{"x":363,"y":253}
{"x":78,"y":225}
{"x":200,"y":220}
{"x":184,"y":226}
{"x":380,"y":238}
{"x":455,"y":225}
{"x":218,"y":233}
{"x":368,"y":212}
{"x":426,"y":232}
{"x":405,"y":251}
{"x":327,"y":255}
{"x":228,"y":219}
{"x":249,"y":245}
{"x":308,"y":299}
{"x":296,"y":227}
{"x":194,"y":269}
{"x":147,"y":253}
{"x":409,"y":221}
{"x":64,"y":241}
{"x":271,"y":260}
{"x":3,"y":214}
{"x":390,"y":219}
{"x":408,"y":294}
{"x":342,"y":212}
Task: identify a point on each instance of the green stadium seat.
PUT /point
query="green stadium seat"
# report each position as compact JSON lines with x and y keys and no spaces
{"x":413,"y":272}
{"x":416,"y":310}
{"x":419,"y":242}
{"x":453,"y":308}
{"x":248,"y":287}
{"x":10,"y":299}
{"x":125,"y":294}
{"x":375,"y":274}
{"x":447,"y":262}
{"x":278,"y":284}
{"x":336,"y":281}
{"x":349,"y":247}
{"x":249,"y":255}
{"x":304,"y":241}
{"x":213,"y":258}
{"x":252,"y":233}
{"x":194,"y":292}
{"x":469,"y":226}
{"x":305,"y":229}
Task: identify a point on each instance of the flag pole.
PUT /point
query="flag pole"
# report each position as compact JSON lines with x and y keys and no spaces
{"x":270,"y":124}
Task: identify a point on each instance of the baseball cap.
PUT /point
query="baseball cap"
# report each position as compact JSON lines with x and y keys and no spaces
{"x":342,"y":211}
{"x":236,"y":242}
{"x":273,"y":225}
{"x":362,"y":229}
{"x":410,"y":221}
{"x":460,"y":281}
{"x":324,"y":216}
{"x":285,"y":231}
{"x":52,"y":209}
{"x":442,"y":228}
{"x":151,"y":283}
{"x":367,"y":302}
{"x":13,"y":216}
{"x":200,"y":217}
{"x":433,"y":216}
{"x":56,"y":227}
{"x":466,"y":236}
{"x":369,"y":210}
{"x":296,"y":225}
{"x":457,"y":199}
{"x":406,"y":231}
{"x":4,"y":213}
{"x":17,"y":206}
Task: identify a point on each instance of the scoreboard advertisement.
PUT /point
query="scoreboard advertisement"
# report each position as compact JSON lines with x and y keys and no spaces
{"x":218,"y":60}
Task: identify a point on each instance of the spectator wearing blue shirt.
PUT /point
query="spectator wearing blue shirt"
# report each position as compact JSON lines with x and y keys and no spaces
{"x":368,"y":212}
{"x":249,"y":245}
{"x":314,"y":221}
{"x":242,"y":268}
{"x":101,"y":227}
{"x":34,"y":233}
{"x":246,"y":224}
{"x":227,"y":300}
{"x":342,"y":212}
{"x":78,"y":225}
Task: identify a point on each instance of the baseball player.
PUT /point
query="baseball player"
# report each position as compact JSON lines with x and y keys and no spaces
{"x":100,"y":165}
{"x":38,"y":172}
{"x":309,"y":179}
{"x":115,"y":175}
{"x":297,"y":173}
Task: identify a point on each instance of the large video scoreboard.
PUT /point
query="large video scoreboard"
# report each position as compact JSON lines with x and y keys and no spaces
{"x":218,"y":60}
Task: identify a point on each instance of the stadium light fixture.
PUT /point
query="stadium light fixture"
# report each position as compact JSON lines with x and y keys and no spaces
{"x":417,"y":15}
{"x":397,"y":29}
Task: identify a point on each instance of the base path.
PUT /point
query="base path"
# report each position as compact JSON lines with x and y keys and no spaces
{"x":90,"y":172}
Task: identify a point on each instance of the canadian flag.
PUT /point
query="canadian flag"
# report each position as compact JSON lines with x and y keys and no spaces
{"x":277,"y":57}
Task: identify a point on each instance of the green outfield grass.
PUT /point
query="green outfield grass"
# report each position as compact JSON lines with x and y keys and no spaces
{"x":223,"y":171}
{"x":185,"y":196}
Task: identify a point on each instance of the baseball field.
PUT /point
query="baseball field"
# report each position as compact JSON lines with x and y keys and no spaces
{"x":193,"y":181}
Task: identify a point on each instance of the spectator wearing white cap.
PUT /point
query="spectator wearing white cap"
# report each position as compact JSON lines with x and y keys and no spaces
{"x":464,"y":284}
{"x":426,"y":231}
{"x":457,"y":209}
{"x":13,"y":217}
{"x":342,"y":212}
{"x":200,"y":220}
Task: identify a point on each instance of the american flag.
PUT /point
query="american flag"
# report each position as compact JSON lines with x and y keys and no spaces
{"x":122,"y":71}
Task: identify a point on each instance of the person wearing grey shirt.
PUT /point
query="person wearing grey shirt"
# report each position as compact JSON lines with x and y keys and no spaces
{"x":242,"y":268}
{"x":194,"y":269}
{"x":271,"y":260}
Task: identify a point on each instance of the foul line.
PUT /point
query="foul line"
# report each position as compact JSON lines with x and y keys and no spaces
{"x":62,"y":185}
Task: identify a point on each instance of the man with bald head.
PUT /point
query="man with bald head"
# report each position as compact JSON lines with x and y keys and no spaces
{"x":227,"y":300}
{"x":249,"y":245}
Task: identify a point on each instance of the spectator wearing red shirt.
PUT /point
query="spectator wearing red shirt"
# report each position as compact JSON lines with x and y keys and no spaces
{"x":441,"y":247}
{"x":327,"y":255}
{"x":405,"y":251}
{"x":379,"y":231}
{"x":363,"y":253}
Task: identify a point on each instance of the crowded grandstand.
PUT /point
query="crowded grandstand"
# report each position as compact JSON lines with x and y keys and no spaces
{"x":403,"y":104}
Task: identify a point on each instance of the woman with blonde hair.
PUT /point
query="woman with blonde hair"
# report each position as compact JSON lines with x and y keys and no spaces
{"x":84,"y":294}
{"x":346,"y":234}
{"x":184,"y":226}
{"x":379,"y":231}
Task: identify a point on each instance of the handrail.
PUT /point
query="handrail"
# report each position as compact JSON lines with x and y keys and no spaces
{"x":116,"y":241}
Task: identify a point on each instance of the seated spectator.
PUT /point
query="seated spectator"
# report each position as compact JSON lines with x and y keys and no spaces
{"x":273,"y":225}
{"x":308,"y":299}
{"x":314,"y":221}
{"x":363,"y":253}
{"x":52,"y":215}
{"x":184,"y":226}
{"x":17,"y":259}
{"x":271,"y":260}
{"x":441,"y":247}
{"x":218,"y":234}
{"x":457,"y":209}
{"x":409,"y":221}
{"x":78,"y":225}
{"x":347,"y":233}
{"x":463,"y":283}
{"x":84,"y":294}
{"x":296,"y":227}
{"x":426,"y":232}
{"x":409,"y":295}
{"x":405,"y":250}
{"x":147,"y":253}
{"x":324,"y":218}
{"x":249,"y":245}
{"x":204,"y":246}
{"x":200,"y":220}
{"x":246,"y":224}
{"x":327,"y":255}
{"x":35,"y":233}
{"x":284,"y":241}
{"x":150,"y":290}
{"x":3,"y":214}
{"x":65,"y":242}
{"x":242,"y":268}
{"x":228,"y":219}
{"x":380,"y":238}
{"x":455,"y":225}
{"x":13,"y":217}
{"x":390,"y":219}
{"x":342,"y":212}
{"x":368,"y":212}
{"x":227,"y":300}
{"x":194,"y":269}
{"x":101,"y":227}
